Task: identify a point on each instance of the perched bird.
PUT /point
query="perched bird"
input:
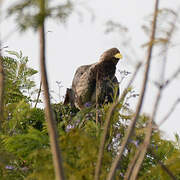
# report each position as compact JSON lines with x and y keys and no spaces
{"x":93,"y":81}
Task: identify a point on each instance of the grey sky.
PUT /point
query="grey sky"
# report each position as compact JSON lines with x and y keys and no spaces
{"x":82,"y":41}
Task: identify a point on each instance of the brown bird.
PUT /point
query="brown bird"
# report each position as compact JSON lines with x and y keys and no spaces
{"x":93,"y":81}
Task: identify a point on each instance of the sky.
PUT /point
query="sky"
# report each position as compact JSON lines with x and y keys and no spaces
{"x":83,"y":39}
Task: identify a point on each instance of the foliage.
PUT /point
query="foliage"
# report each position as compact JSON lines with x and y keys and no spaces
{"x":24,"y":142}
{"x":79,"y":146}
{"x":28,"y":14}
{"x":18,"y":81}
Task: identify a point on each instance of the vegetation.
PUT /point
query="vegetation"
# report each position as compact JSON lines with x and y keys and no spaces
{"x":25,"y":148}
{"x":123,"y":145}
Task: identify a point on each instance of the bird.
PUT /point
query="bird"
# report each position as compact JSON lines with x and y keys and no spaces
{"x":95,"y":83}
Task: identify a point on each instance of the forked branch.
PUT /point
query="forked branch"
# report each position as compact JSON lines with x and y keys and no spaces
{"x":130,"y":129}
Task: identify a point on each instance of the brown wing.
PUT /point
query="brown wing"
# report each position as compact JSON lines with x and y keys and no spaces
{"x":71,"y":93}
{"x":84,"y":84}
{"x":79,"y":72}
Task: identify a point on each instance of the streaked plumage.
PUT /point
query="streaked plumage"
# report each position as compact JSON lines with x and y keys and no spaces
{"x":102,"y":74}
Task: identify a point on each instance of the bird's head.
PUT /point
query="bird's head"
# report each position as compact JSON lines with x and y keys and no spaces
{"x":111,"y":55}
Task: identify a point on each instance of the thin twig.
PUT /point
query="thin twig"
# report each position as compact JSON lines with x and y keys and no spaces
{"x":132,"y":164}
{"x":107,"y":122}
{"x":39,"y":93}
{"x":170,"y":112}
{"x":134,"y":168}
{"x":167,"y":45}
{"x":165,"y":53}
{"x":164,"y":85}
{"x":103,"y":139}
{"x":142,"y":154}
{"x":164,"y":167}
{"x":176,"y":73}
{"x":130,"y":129}
{"x":148,"y":133}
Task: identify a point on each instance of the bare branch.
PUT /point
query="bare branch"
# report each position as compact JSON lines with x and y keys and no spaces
{"x":39,"y":93}
{"x":130,"y":129}
{"x":143,"y":151}
{"x":52,"y":129}
{"x":103,"y":139}
{"x":163,"y":85}
{"x":170,"y":112}
{"x":174,"y":76}
{"x":162,"y":165}
{"x":107,"y":122}
{"x":136,"y":162}
{"x":132,"y":164}
{"x":151,"y":120}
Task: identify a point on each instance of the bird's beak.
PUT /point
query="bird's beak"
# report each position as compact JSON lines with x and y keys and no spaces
{"x":118,"y":56}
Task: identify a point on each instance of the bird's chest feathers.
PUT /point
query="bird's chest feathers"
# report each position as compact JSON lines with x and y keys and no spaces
{"x":104,"y":76}
{"x":106,"y":71}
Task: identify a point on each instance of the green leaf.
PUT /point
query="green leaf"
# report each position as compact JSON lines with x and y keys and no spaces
{"x":14,"y":53}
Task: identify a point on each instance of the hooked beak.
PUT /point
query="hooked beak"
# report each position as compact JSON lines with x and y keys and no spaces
{"x":118,"y":56}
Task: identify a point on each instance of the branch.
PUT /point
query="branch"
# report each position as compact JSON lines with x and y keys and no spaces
{"x":139,"y":157}
{"x":163,"y":166}
{"x":52,"y":129}
{"x":148,"y":133}
{"x":130,"y":129}
{"x":133,"y":171}
{"x":165,"y":52}
{"x":167,"y":82}
{"x":39,"y":93}
{"x":103,"y":139}
{"x":142,"y":154}
{"x":132,"y":164}
{"x":170,"y":112}
{"x":163,"y":85}
{"x":107,"y":122}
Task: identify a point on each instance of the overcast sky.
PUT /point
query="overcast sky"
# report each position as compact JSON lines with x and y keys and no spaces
{"x":82,"y":40}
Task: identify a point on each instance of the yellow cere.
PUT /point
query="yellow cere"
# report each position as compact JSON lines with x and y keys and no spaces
{"x":118,"y":56}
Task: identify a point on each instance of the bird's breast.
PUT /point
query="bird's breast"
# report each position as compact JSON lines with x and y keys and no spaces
{"x":106,"y":70}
